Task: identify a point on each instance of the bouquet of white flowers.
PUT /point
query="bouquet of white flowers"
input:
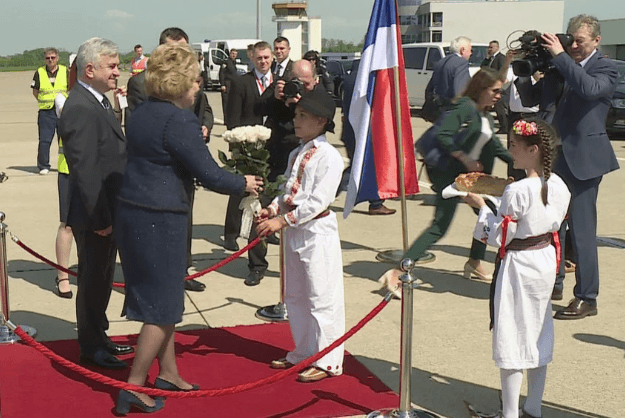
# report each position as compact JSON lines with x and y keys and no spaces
{"x":249,"y":156}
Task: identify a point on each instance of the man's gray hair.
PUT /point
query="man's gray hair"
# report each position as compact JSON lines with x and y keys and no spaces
{"x":458,"y":43}
{"x":51,"y":49}
{"x":91,"y":50}
{"x":577,"y":22}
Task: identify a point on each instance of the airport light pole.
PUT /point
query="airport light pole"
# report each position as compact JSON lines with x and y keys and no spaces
{"x":257,"y":19}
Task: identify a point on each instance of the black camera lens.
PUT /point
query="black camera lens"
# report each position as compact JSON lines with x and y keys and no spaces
{"x":292,"y":88}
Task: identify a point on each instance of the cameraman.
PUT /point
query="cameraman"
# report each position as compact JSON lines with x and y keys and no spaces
{"x":279,"y":110}
{"x":581,"y":107}
{"x":324,"y":77}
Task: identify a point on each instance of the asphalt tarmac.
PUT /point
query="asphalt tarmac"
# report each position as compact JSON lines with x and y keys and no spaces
{"x":451,"y":350}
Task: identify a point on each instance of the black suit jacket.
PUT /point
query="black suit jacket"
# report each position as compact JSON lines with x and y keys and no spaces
{"x":245,"y":105}
{"x":137,"y":94}
{"x":287,"y":71}
{"x":495,"y":63}
{"x":95,"y":148}
{"x":227,"y":74}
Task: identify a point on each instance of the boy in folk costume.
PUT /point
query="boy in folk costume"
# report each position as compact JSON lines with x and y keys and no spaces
{"x":312,"y":254}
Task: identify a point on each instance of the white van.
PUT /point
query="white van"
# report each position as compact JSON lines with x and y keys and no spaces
{"x":213,"y":58}
{"x":420,"y":58}
{"x":240,"y":45}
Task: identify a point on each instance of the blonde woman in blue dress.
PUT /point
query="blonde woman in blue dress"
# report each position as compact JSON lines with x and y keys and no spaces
{"x":524,"y":229}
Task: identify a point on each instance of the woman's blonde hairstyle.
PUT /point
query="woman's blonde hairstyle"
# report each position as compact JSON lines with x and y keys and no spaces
{"x":172,"y":70}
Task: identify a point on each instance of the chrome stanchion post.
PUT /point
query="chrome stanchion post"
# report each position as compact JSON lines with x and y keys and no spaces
{"x":6,"y":334}
{"x":277,"y":312}
{"x":408,"y":283}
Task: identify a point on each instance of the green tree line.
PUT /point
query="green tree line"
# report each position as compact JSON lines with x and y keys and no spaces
{"x":337,"y":45}
{"x":34,"y":58}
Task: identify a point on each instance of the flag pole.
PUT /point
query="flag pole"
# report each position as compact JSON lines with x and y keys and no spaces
{"x":400,"y":161}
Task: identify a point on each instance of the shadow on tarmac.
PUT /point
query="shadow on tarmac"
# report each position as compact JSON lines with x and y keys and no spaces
{"x":445,"y":395}
{"x":600,"y":340}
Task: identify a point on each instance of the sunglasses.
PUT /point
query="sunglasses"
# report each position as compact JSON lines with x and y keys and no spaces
{"x":51,"y":58}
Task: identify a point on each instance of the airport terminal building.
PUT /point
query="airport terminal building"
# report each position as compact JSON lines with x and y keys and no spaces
{"x":480,"y":20}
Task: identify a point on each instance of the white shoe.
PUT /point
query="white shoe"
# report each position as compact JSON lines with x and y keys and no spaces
{"x":44,"y":171}
{"x":470,"y":271}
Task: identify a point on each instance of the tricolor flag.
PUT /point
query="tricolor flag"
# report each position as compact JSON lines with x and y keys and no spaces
{"x":373,"y":114}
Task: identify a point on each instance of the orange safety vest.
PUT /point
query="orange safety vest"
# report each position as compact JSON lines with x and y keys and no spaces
{"x":138,"y":66}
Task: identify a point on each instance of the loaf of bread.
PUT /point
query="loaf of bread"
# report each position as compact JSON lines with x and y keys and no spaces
{"x":481,"y":183}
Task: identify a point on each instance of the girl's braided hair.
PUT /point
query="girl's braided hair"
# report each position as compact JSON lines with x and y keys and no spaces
{"x":535,"y":131}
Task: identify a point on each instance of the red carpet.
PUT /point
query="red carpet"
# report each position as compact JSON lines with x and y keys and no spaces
{"x":33,"y":386}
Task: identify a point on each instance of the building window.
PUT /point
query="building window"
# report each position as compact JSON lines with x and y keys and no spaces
{"x":437,"y":19}
{"x":437,"y":36}
{"x":304,"y":37}
{"x":409,"y":2}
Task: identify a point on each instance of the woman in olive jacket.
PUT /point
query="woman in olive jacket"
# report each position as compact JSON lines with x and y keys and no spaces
{"x":476,"y":153}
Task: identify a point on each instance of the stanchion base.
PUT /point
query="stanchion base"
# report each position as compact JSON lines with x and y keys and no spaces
{"x":273,"y":313}
{"x":396,"y":413}
{"x":9,"y":337}
{"x":395,"y":256}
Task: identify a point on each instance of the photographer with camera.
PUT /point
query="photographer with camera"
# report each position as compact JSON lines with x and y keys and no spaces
{"x":579,"y":84}
{"x":278,"y":106}
{"x":320,"y":67}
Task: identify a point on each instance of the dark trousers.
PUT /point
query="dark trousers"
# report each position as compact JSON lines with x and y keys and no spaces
{"x":96,"y":266}
{"x":583,"y":229}
{"x":47,"y":121}
{"x":224,"y":106}
{"x":257,"y":256}
{"x":232,"y":225}
{"x":443,"y":215}
{"x":501,"y":109}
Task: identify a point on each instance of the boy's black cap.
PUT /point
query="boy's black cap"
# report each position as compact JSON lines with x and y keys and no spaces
{"x":319,"y":103}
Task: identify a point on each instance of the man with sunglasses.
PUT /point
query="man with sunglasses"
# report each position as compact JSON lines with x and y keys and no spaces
{"x":48,"y":81}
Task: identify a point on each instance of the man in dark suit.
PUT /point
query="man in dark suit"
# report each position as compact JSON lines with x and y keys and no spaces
{"x":283,"y":65}
{"x":245,"y":108}
{"x":95,"y":148}
{"x":451,"y":74}
{"x":227,"y":76}
{"x":586,"y":153}
{"x":495,"y":60}
{"x":137,"y":94}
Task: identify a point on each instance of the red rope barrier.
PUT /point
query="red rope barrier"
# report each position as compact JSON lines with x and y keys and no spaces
{"x":42,"y":258}
{"x":116,"y":284}
{"x":200,"y":393}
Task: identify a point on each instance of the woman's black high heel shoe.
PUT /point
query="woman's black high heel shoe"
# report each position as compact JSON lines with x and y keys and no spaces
{"x":165,"y":385}
{"x":64,"y":295}
{"x":126,"y":400}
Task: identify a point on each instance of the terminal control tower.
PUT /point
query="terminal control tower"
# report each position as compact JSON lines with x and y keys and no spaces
{"x":302,"y":31}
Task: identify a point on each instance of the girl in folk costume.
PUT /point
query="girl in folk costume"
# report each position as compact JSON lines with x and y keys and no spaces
{"x":524,"y":229}
{"x":312,"y":254}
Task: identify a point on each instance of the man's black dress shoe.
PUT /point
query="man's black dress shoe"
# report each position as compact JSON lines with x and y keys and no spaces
{"x":577,"y":309}
{"x":194,"y":286}
{"x":231,"y":245}
{"x":102,"y":358}
{"x":556,"y":294}
{"x":254,"y":278}
{"x":119,"y":350}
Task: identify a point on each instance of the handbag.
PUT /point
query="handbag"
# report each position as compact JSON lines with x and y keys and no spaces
{"x":432,"y":107}
{"x":428,"y":146}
